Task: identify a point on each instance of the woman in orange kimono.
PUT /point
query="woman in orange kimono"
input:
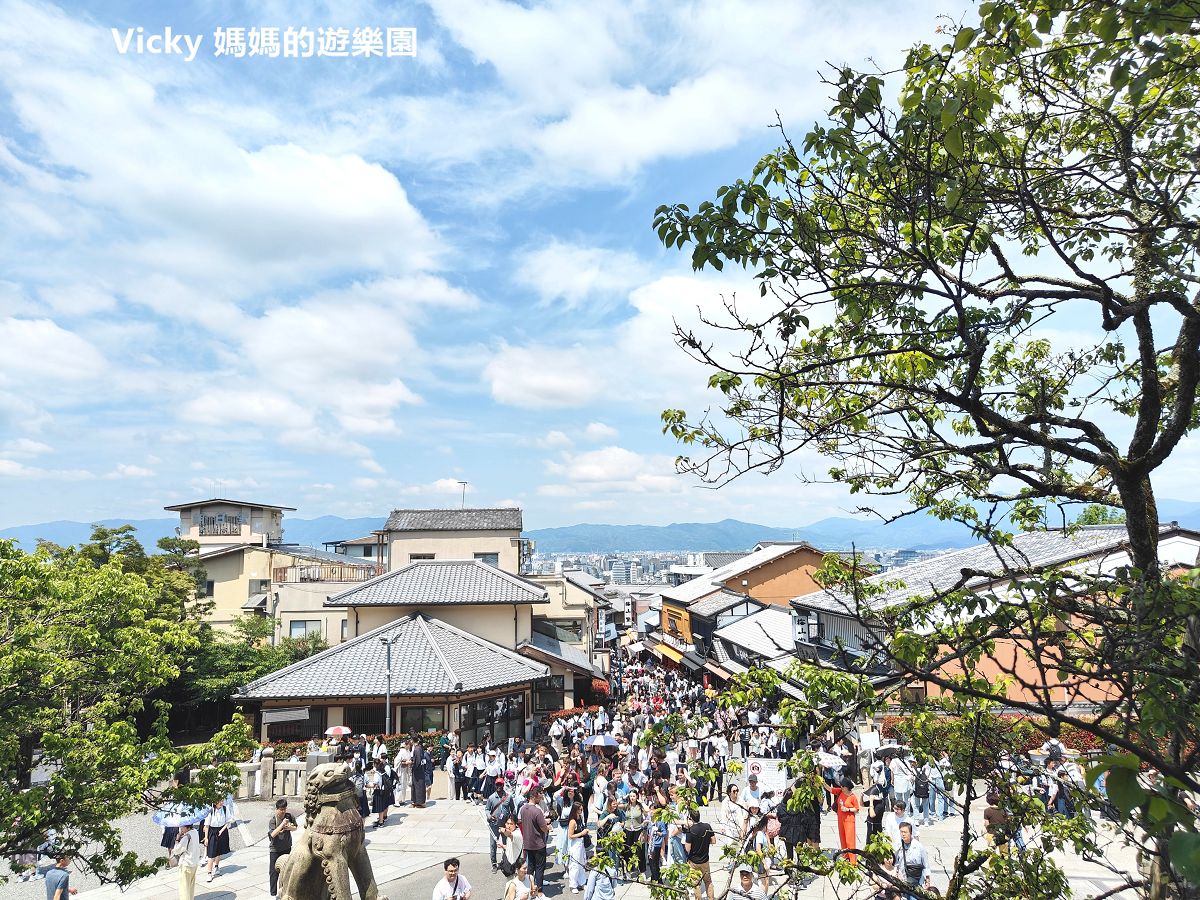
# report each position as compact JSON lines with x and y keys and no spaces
{"x":847,"y":804}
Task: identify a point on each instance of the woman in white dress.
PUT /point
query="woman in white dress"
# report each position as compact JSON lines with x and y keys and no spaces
{"x":576,"y":849}
{"x":520,"y":886}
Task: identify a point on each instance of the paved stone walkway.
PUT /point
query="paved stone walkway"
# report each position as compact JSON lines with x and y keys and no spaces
{"x":414,"y":840}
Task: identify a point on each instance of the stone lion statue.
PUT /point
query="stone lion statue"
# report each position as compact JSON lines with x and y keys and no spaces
{"x":331,"y":848}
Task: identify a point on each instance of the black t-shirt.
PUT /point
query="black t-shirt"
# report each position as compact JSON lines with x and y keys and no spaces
{"x":282,"y":842}
{"x":699,"y":839}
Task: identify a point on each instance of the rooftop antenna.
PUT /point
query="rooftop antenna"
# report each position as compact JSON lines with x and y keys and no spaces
{"x":464,"y":493}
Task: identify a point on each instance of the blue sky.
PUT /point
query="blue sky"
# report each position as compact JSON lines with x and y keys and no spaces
{"x":346,"y":284}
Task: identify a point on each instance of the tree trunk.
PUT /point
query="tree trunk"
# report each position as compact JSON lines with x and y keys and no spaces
{"x":1141,"y":521}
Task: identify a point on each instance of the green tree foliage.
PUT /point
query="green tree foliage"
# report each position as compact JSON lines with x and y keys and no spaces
{"x":919,"y":261}
{"x":82,"y":645}
{"x":227,"y":660}
{"x":1095,"y":514}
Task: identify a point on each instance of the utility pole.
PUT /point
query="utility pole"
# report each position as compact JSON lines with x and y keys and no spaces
{"x":387,"y":642}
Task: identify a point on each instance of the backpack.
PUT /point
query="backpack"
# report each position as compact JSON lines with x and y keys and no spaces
{"x":921,"y":785}
{"x":1055,"y":752}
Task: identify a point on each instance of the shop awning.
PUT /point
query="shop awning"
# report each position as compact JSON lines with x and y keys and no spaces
{"x":692,"y":662}
{"x":669,"y":652}
{"x":718,"y":671}
{"x":636,"y":647}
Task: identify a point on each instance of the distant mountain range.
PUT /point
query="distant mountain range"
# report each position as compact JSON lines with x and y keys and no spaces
{"x":917,"y":532}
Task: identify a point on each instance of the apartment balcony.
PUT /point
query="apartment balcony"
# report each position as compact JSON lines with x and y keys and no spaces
{"x":324,"y":572}
{"x":220,"y":529}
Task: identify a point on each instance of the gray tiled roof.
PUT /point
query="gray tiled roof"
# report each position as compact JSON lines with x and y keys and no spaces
{"x":501,"y":519}
{"x":428,"y":657}
{"x":1029,"y":550}
{"x":718,"y":558}
{"x":569,"y":654}
{"x":767,"y":633}
{"x":718,"y":603}
{"x":441,"y":582}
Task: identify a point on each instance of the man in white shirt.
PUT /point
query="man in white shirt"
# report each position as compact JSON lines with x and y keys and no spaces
{"x":454,"y":886}
{"x":892,"y":821}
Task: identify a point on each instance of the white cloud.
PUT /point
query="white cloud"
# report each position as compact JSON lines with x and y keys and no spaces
{"x":612,"y":470}
{"x":580,"y":43}
{"x":610,"y":134}
{"x":12,"y":469}
{"x":555,"y":440}
{"x":539,"y":377}
{"x":40,"y":351}
{"x":598,"y":431}
{"x":25,"y":447}
{"x":636,"y":360}
{"x":77,"y":299}
{"x":206,"y":201}
{"x":574,"y":274}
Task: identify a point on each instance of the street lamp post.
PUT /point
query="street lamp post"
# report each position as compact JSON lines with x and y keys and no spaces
{"x":387,"y":642}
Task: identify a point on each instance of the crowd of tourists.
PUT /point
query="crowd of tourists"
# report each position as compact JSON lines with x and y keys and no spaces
{"x":559,"y":800}
{"x":591,"y":777}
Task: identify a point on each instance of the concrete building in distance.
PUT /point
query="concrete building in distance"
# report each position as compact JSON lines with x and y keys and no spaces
{"x":369,"y":548}
{"x":492,"y":536}
{"x":221,"y":523}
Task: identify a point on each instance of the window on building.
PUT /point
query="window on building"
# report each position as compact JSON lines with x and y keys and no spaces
{"x":260,"y":585}
{"x":502,"y":717}
{"x":345,"y":628}
{"x":415,"y":557}
{"x":298,"y":729}
{"x":209,"y":586}
{"x":422,"y":718}
{"x":567,"y":630}
{"x":548,"y":693}
{"x":368,"y":550}
{"x":492,"y":559}
{"x":365,"y":719}
{"x":298,"y":628}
